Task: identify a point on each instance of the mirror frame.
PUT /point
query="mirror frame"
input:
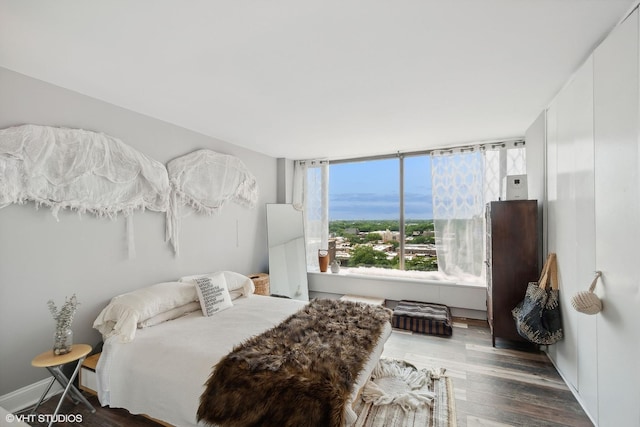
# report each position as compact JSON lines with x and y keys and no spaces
{"x":287,"y":252}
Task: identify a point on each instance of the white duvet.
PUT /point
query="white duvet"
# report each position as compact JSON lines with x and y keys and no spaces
{"x":162,"y":372}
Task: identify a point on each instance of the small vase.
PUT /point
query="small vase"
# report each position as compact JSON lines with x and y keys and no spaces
{"x":323,"y":259}
{"x":335,"y":266}
{"x":62,"y":341}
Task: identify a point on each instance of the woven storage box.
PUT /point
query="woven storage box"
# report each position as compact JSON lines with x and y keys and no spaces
{"x":422,"y":317}
{"x":261,"y":283}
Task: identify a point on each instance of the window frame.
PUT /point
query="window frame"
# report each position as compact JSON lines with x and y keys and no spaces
{"x":502,"y":145}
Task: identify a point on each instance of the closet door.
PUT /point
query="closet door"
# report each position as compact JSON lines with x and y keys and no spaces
{"x":617,"y":195}
{"x":571,"y":223}
{"x":581,"y":151}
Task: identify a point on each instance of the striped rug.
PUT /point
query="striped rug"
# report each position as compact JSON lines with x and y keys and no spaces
{"x":400,"y":395}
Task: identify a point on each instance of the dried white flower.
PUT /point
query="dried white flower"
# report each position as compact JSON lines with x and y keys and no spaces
{"x":64,"y":317}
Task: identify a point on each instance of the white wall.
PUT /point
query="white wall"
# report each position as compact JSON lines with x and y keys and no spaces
{"x":593,"y":223}
{"x":41,"y":259}
{"x":285,"y":181}
{"x":535,"y":139}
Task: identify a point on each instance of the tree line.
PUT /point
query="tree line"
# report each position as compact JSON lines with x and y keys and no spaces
{"x":362,"y":234}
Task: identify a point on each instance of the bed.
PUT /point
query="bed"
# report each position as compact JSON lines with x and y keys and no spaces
{"x":163,"y":371}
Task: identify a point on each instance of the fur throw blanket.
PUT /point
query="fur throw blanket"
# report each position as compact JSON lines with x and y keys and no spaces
{"x":299,"y":373}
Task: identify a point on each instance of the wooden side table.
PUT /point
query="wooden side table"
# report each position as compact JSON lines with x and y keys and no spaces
{"x":87,"y":375}
{"x":53,"y":364}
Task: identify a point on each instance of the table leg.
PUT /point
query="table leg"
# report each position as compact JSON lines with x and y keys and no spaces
{"x":68,"y":387}
{"x":35,"y":408}
{"x":74,"y":394}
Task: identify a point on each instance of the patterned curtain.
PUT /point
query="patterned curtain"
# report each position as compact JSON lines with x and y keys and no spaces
{"x":458,"y":212}
{"x":463,"y":181}
{"x":498,"y":164}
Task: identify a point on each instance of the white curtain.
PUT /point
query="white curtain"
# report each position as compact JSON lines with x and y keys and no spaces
{"x":299,"y":183}
{"x":463,"y":182}
{"x":311,"y":193}
{"x":499,"y":162}
{"x":458,"y":212}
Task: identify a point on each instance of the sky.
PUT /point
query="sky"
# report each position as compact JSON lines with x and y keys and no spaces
{"x":370,"y":190}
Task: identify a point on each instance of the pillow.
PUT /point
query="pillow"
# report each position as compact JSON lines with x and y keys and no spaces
{"x":121,"y":316}
{"x":174,"y":313}
{"x":237,"y":284}
{"x":213,"y":294}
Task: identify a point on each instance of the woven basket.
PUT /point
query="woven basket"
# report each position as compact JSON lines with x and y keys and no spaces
{"x":261,"y":283}
{"x":586,"y":301}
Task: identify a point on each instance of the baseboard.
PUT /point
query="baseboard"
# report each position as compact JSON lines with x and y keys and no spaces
{"x":468,"y":313}
{"x":28,"y":396}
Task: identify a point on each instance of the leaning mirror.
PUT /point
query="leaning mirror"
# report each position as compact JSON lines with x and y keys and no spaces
{"x":287,"y":253}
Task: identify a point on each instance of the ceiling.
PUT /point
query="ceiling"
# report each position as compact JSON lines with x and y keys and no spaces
{"x":315,"y":78}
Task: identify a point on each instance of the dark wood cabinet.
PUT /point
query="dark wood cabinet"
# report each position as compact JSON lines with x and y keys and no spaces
{"x":512,"y":261}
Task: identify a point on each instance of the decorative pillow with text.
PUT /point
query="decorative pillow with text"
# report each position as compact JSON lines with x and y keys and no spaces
{"x":213,"y":294}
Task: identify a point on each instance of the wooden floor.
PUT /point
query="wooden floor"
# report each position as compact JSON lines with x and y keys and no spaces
{"x":499,"y":386}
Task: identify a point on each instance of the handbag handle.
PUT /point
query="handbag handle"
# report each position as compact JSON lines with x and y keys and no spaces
{"x":554,"y":273}
{"x":549,"y":273}
{"x":544,"y":271}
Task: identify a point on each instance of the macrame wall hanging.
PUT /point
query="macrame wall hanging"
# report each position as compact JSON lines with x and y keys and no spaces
{"x":80,"y":170}
{"x":205,"y":180}
{"x":91,"y":172}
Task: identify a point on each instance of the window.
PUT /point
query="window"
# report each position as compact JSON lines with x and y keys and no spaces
{"x":364,"y":219}
{"x":419,"y":236}
{"x":371,"y":225}
{"x":415,"y":214}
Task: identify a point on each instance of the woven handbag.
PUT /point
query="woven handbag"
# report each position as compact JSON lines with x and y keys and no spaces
{"x":538,"y":316}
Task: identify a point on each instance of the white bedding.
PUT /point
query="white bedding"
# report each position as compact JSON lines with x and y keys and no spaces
{"x":163,"y":371}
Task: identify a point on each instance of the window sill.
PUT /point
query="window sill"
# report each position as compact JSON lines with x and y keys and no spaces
{"x":431,"y":278}
{"x":453,"y":294}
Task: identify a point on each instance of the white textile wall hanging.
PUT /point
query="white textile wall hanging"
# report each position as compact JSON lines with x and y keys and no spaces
{"x":205,"y":180}
{"x":80,"y":170}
